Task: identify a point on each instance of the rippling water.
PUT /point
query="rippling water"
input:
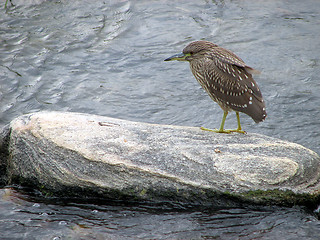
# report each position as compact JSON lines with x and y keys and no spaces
{"x":106,"y":58}
{"x":30,"y":218}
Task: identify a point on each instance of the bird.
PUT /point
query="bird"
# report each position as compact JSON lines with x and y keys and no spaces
{"x":227,"y":80}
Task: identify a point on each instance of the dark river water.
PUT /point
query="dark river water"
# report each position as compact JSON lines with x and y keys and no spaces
{"x":106,"y":58}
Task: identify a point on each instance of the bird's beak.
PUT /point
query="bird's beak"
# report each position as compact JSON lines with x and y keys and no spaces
{"x":178,"y":57}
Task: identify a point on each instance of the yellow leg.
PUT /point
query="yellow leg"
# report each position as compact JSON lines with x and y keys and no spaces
{"x":238,"y":120}
{"x":222,"y":130}
{"x":239,"y":125}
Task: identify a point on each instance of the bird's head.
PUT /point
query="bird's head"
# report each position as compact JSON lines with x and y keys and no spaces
{"x":193,"y":51}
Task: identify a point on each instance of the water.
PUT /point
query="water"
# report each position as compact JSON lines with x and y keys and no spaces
{"x":106,"y":58}
{"x":30,"y":218}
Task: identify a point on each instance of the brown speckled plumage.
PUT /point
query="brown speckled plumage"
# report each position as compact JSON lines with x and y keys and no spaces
{"x":226,"y":78}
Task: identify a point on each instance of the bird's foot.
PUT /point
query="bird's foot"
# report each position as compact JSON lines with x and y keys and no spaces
{"x":236,"y":130}
{"x":228,"y":131}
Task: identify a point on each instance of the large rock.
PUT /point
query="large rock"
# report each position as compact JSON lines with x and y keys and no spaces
{"x":74,"y":154}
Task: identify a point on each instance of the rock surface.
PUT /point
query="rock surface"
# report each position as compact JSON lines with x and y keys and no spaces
{"x":74,"y":154}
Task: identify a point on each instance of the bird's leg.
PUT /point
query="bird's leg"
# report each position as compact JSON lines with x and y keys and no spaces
{"x":225,"y":114}
{"x":239,"y":125}
{"x":238,"y":120}
{"x":222,"y":130}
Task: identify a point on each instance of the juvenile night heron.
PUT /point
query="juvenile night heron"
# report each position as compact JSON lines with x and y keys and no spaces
{"x":227,"y":80}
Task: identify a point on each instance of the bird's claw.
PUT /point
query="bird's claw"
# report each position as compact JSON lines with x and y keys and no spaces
{"x":228,"y":131}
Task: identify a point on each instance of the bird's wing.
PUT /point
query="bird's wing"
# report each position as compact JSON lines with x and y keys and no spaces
{"x":234,"y":86}
{"x":229,"y":57}
{"x":233,"y":69}
{"x":230,"y":78}
{"x":226,"y":56}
